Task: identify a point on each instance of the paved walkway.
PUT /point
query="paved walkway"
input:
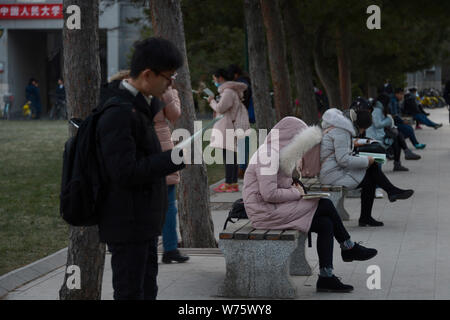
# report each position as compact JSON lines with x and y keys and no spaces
{"x":414,"y":244}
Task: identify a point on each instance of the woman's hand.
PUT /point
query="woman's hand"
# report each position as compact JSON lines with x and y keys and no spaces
{"x":371,"y":160}
{"x":210,"y":98}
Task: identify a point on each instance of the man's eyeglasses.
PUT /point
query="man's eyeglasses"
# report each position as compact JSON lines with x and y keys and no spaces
{"x":171,"y":78}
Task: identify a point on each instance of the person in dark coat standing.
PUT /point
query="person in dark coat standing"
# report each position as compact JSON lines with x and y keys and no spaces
{"x":135,"y":168}
{"x":33,"y":95}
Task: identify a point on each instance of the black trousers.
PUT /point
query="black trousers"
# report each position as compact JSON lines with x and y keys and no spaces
{"x":374,"y":177}
{"x":327,"y":224}
{"x":398,"y":145}
{"x":134,"y":268}
{"x":231,"y":169}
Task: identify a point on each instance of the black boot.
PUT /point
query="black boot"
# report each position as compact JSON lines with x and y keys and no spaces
{"x":174,"y":255}
{"x":358,"y":253}
{"x":401,"y":195}
{"x":370,"y":222}
{"x":332,"y":284}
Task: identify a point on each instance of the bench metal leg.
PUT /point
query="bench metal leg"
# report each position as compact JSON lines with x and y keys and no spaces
{"x":299,"y":265}
{"x":257,"y":268}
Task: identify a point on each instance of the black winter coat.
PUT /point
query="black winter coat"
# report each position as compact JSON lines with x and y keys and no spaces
{"x":134,"y":202}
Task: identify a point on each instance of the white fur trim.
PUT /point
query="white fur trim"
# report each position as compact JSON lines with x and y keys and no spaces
{"x":299,"y":145}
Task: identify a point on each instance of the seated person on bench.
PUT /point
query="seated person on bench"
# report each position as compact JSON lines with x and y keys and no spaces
{"x":273,"y":202}
{"x":340,"y":167}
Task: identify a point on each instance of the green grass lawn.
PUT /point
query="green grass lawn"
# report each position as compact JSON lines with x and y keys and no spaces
{"x":30,"y":173}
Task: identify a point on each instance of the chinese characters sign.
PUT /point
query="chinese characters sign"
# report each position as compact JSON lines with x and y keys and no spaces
{"x":31,"y":11}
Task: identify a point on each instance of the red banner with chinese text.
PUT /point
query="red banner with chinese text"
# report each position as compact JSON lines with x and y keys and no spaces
{"x":31,"y":11}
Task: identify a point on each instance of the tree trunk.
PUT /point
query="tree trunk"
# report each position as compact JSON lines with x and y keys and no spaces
{"x":301,"y":58}
{"x":325,"y":72}
{"x":257,"y":52}
{"x":345,"y":80}
{"x":82,"y":81}
{"x":196,"y":225}
{"x":277,"y":58}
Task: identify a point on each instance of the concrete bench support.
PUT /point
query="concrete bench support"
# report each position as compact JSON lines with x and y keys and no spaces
{"x":259,"y":263}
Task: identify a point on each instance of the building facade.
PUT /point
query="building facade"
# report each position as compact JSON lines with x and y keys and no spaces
{"x":31,"y":44}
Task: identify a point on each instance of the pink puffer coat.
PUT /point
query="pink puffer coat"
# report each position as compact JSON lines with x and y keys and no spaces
{"x":171,"y":112}
{"x":233,"y":110}
{"x":270,"y":200}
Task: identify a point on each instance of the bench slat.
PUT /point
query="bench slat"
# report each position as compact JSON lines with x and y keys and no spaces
{"x":228,"y":233}
{"x":289,"y":235}
{"x":244,"y":232}
{"x":274,"y":234}
{"x":258,"y":234}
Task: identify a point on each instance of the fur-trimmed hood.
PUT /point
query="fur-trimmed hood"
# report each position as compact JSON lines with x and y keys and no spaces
{"x":335,"y":118}
{"x":239,"y":87}
{"x":295,"y":139}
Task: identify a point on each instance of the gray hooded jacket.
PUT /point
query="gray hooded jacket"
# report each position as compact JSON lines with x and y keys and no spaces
{"x":338,"y":165}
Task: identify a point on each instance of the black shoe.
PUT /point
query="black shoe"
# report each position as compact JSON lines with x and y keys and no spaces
{"x":174,"y":255}
{"x":404,"y":194}
{"x":398,"y":167}
{"x":437,"y":126}
{"x":359,"y":253}
{"x":371,"y":222}
{"x":409,"y":155}
{"x":332,"y":284}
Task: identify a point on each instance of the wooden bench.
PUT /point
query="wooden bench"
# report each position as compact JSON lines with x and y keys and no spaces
{"x":259,"y":263}
{"x":338,"y":194}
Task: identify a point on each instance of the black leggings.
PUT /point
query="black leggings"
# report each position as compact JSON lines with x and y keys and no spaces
{"x":327,"y":223}
{"x":374,"y":177}
{"x":231,"y":169}
{"x":398,"y":145}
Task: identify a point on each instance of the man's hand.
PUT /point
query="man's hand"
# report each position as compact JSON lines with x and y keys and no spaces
{"x":371,"y":160}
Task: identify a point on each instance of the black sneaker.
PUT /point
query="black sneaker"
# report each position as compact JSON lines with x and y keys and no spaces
{"x":371,"y":222}
{"x":358,"y":253}
{"x":174,"y":255}
{"x":405,"y":194}
{"x":437,"y":126}
{"x":332,"y":284}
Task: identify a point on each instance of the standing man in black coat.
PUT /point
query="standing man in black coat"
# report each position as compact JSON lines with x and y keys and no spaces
{"x":135,"y":200}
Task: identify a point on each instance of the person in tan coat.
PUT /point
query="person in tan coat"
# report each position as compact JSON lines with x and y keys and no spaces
{"x":171,"y":112}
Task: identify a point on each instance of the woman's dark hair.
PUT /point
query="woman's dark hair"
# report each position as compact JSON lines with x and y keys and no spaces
{"x":32,"y":80}
{"x":156,"y":54}
{"x":223,"y":73}
{"x":384,"y":100}
{"x":363,"y":119}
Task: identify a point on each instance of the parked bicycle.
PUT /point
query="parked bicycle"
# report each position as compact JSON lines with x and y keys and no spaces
{"x":5,"y":112}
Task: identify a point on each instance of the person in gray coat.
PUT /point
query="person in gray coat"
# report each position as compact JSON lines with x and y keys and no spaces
{"x":340,"y":167}
{"x":381,"y":119}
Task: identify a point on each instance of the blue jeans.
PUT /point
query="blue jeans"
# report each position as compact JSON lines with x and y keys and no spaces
{"x":422,"y":118}
{"x":408,"y":132}
{"x":169,"y":232}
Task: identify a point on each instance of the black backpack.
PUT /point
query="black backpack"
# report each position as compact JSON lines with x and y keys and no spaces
{"x":237,"y":212}
{"x":81,"y":181}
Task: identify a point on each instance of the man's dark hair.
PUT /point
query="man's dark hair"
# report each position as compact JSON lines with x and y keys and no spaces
{"x":223,"y":73}
{"x":32,"y":80}
{"x":156,"y":54}
{"x":399,"y":90}
{"x":363,"y":119}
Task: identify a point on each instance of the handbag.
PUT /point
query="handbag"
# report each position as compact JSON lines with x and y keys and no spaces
{"x":390,"y":134}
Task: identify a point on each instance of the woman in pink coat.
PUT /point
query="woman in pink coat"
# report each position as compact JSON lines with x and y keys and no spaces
{"x":273,"y":201}
{"x":171,"y":112}
{"x":235,"y":116}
